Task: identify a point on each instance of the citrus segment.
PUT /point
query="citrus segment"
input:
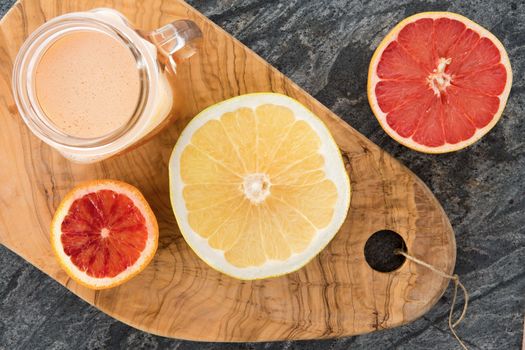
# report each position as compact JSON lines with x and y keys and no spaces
{"x":223,"y":152}
{"x":103,"y":233}
{"x":275,"y":243}
{"x":295,"y":228}
{"x":414,"y":39}
{"x":258,"y":185}
{"x":300,"y":142}
{"x":197,"y":167}
{"x":397,"y":64}
{"x":474,"y":106}
{"x":248,"y":248}
{"x":272,"y":118}
{"x":446,"y":33}
{"x":204,"y":196}
{"x":438,"y":82}
{"x":318,"y":212}
{"x":228,"y":232}
{"x":240,"y":128}
{"x":206,"y":221}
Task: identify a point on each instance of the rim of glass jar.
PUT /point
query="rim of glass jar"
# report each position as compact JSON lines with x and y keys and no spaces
{"x":36,"y":45}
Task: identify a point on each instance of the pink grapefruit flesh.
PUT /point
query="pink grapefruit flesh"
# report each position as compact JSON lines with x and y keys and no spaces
{"x":103,"y":233}
{"x":438,"y":82}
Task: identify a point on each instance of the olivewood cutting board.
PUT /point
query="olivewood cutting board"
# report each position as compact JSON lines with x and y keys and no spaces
{"x":336,"y":294}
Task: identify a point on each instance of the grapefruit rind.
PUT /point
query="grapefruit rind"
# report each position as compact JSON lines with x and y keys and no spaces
{"x":337,"y":173}
{"x":139,"y":201}
{"x":373,"y":79}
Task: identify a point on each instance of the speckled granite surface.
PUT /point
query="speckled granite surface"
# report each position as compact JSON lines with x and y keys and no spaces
{"x":325,"y":46}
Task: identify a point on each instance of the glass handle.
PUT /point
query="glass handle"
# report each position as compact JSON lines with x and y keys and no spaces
{"x":176,"y":41}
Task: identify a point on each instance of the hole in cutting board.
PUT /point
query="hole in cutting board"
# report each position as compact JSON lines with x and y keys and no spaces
{"x":379,"y":251}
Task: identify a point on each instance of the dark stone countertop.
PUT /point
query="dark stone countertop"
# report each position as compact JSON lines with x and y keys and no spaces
{"x":325,"y":46}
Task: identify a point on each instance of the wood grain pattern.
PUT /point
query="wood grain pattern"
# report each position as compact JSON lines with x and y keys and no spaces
{"x":336,"y":294}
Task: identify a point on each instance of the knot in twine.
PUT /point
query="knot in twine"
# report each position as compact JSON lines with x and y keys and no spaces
{"x":457,"y":283}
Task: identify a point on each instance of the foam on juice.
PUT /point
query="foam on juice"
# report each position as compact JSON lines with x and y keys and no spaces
{"x":87,"y":83}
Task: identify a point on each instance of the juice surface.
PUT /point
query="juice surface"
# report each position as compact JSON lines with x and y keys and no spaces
{"x":88,"y":84}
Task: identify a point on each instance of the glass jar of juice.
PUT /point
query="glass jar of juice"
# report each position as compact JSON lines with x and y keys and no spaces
{"x":90,"y":85}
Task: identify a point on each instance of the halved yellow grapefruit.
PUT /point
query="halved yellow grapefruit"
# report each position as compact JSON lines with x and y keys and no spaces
{"x":104,"y":233}
{"x":438,"y":82}
{"x":258,"y":185}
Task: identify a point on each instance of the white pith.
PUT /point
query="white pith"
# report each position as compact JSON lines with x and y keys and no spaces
{"x":66,"y":260}
{"x":334,"y":171}
{"x":256,"y":187}
{"x":439,"y":80}
{"x":373,"y":80}
{"x":104,"y":232}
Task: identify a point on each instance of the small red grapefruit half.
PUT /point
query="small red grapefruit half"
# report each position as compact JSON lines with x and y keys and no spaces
{"x":438,"y":82}
{"x":104,"y":233}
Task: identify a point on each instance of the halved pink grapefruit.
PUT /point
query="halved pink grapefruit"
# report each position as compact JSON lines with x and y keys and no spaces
{"x":103,"y":233}
{"x":438,"y":82}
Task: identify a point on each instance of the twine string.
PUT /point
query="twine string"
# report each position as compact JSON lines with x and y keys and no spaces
{"x":457,"y":283}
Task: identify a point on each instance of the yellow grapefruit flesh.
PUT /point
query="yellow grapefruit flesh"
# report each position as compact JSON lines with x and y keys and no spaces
{"x":104,"y":233}
{"x":438,"y":82}
{"x":258,"y":185}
